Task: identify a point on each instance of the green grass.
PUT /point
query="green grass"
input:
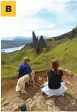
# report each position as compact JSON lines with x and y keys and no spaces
{"x":65,"y":51}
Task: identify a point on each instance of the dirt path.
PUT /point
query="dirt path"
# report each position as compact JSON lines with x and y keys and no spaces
{"x":11,"y":100}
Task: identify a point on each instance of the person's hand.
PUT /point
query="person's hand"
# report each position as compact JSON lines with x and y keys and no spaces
{"x":34,"y":85}
{"x":33,"y":73}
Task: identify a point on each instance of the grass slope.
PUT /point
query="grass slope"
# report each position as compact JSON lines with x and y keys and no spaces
{"x":65,"y":51}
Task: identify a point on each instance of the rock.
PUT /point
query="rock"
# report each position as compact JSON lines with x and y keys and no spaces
{"x":50,"y":102}
{"x":36,"y":103}
{"x":33,"y":36}
{"x":8,"y":107}
{"x":5,"y":103}
{"x":30,"y":104}
{"x":51,"y":108}
{"x":71,"y":107}
{"x":71,"y":74}
{"x":3,"y":99}
{"x":76,"y":104}
{"x":50,"y":105}
{"x":62,"y":100}
{"x":38,"y":45}
{"x":75,"y":76}
{"x":39,"y":101}
{"x":29,"y":100}
{"x":66,"y":108}
{"x":37,"y":94}
{"x":57,"y":109}
{"x":15,"y":107}
{"x":4,"y":109}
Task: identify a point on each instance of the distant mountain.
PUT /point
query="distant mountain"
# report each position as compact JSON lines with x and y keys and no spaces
{"x":17,"y":41}
{"x":72,"y":34}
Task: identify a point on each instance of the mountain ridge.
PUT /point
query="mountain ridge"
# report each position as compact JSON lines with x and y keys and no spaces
{"x":70,"y":35}
{"x":16,"y":42}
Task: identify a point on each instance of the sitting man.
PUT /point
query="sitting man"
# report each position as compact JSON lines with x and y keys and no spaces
{"x":25,"y":74}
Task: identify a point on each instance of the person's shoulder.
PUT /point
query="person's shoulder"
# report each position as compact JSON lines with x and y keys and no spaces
{"x":27,"y":65}
{"x":21,"y":64}
{"x":61,"y":71}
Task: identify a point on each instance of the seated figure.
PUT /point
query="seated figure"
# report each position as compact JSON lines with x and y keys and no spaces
{"x":54,"y":86}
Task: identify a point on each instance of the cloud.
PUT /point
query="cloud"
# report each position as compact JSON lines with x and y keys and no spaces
{"x":36,"y":23}
{"x":9,"y":27}
{"x":23,"y":26}
{"x":12,"y":27}
{"x":29,"y":7}
{"x":26,"y":20}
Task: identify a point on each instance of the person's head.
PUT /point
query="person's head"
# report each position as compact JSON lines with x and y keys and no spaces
{"x":54,"y":65}
{"x":26,"y":60}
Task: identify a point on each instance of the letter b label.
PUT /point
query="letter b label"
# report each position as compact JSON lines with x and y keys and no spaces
{"x":8,"y":8}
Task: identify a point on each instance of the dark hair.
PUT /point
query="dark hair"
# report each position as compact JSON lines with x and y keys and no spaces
{"x":55,"y":65}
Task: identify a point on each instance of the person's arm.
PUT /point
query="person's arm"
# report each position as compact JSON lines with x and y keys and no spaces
{"x":32,"y":75}
{"x":19,"y":72}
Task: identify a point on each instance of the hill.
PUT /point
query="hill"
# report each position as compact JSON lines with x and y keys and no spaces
{"x":63,"y":50}
{"x":15,"y":42}
{"x":72,"y":34}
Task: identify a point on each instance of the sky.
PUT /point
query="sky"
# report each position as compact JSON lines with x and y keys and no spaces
{"x":45,"y":17}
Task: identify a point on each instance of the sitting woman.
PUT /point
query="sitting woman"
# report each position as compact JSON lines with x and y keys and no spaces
{"x":55,"y":86}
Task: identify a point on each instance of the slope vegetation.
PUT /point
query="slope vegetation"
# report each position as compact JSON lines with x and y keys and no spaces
{"x":64,"y":50}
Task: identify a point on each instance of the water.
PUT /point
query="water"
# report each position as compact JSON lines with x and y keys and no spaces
{"x":9,"y":50}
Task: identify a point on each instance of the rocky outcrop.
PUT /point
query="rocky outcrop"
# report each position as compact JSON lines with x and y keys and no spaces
{"x":42,"y":103}
{"x":42,"y":42}
{"x":35,"y":40}
{"x":38,"y":44}
{"x":34,"y":36}
{"x":38,"y":102}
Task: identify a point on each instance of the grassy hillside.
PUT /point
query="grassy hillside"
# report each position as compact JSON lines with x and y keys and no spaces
{"x":63,"y":50}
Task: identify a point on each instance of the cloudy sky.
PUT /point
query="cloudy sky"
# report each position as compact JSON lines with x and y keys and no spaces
{"x":46,"y":17}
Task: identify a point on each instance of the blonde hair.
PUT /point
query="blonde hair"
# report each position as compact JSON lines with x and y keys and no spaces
{"x":26,"y":59}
